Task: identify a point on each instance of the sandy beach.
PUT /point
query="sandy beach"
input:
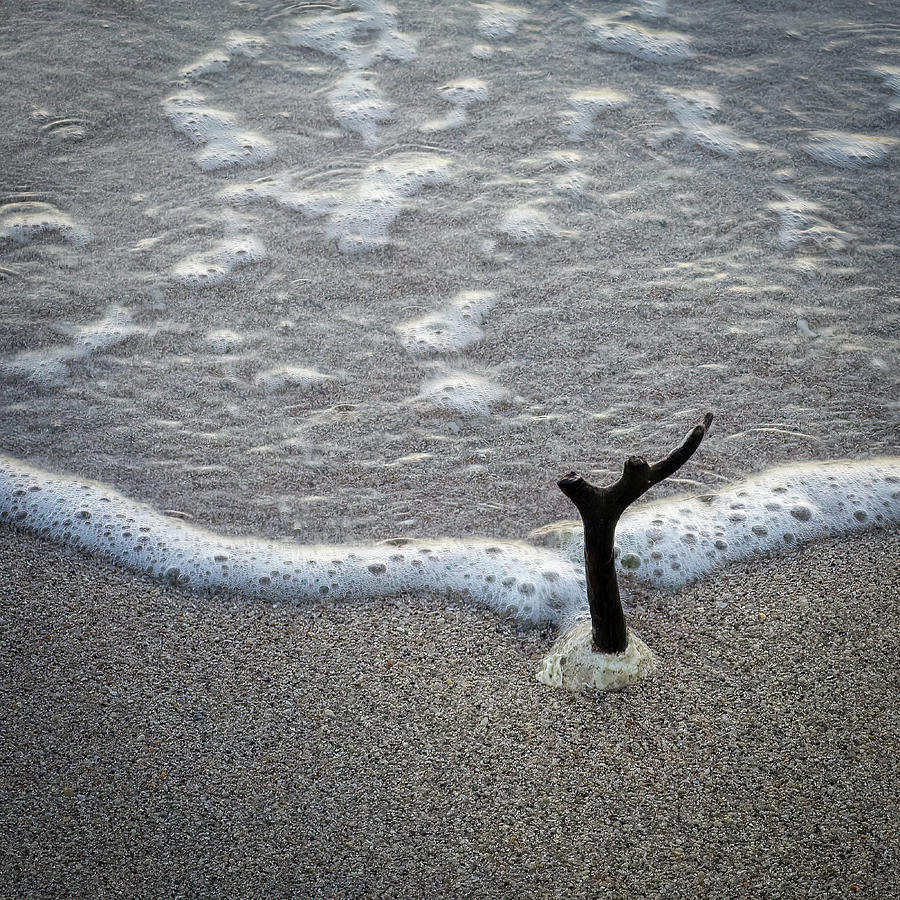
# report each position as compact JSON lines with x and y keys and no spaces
{"x":158,"y":744}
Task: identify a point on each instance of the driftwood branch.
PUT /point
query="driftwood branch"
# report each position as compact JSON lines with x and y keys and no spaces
{"x":601,"y":508}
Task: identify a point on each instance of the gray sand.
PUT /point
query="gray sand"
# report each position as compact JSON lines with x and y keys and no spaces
{"x":163,"y":745}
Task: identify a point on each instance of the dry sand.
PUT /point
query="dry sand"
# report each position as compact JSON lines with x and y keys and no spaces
{"x":157,"y":744}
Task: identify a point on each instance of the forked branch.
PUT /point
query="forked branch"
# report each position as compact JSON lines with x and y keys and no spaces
{"x":600,"y":509}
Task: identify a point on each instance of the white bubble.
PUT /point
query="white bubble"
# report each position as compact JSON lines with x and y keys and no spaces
{"x":642,"y":43}
{"x":359,"y":216}
{"x":223,"y":340}
{"x":652,"y":9}
{"x":585,"y":105}
{"x":237,"y":43}
{"x":50,"y":367}
{"x":462,"y":93}
{"x":358,"y":37}
{"x":499,"y":21}
{"x":284,"y":378}
{"x":464,"y":393}
{"x":850,"y":151}
{"x":450,"y":330}
{"x":891,"y":80}
{"x":22,"y":222}
{"x":224,"y":144}
{"x":211,"y":267}
{"x":695,"y":111}
{"x":358,"y":105}
{"x":802,"y":223}
{"x":528,"y":225}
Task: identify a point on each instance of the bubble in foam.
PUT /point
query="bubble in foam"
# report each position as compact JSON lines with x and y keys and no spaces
{"x":890,"y":76}
{"x":573,"y":665}
{"x":642,"y":43}
{"x":676,"y":541}
{"x":802,"y":223}
{"x":43,"y":368}
{"x":850,"y":151}
{"x":695,"y":111}
{"x":357,"y":37}
{"x":652,"y":9}
{"x":585,"y":106}
{"x":22,"y":222}
{"x":450,"y":330}
{"x":213,"y":266}
{"x":690,"y":106}
{"x":464,"y":393}
{"x":223,"y":340}
{"x":359,"y":216}
{"x":98,"y":520}
{"x":113,"y":328}
{"x":361,"y":221}
{"x":237,"y":43}
{"x":50,"y":366}
{"x":284,"y":378}
{"x":499,"y":21}
{"x":462,"y":93}
{"x":224,"y":144}
{"x":528,"y":225}
{"x":358,"y":105}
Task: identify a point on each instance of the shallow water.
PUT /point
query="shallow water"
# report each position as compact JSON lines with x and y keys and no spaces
{"x":320,"y":272}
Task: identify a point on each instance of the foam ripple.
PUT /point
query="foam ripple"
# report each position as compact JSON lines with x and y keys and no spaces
{"x":450,"y":330}
{"x":850,"y":151}
{"x":357,"y":37}
{"x":642,"y":43}
{"x":672,"y":542}
{"x":224,"y":143}
{"x":23,"y":221}
{"x":50,"y":367}
{"x":585,"y":106}
{"x":237,"y":43}
{"x":359,"y":215}
{"x":527,"y":583}
{"x":464,"y":393}
{"x":802,"y":223}
{"x":499,"y":21}
{"x":213,"y":266}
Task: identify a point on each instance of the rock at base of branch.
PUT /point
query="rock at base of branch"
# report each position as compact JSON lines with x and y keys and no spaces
{"x":572,"y":665}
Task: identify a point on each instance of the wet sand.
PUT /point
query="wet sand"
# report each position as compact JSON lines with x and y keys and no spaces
{"x":158,"y":744}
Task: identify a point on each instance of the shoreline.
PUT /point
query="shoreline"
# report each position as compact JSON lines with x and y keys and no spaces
{"x":167,"y":744}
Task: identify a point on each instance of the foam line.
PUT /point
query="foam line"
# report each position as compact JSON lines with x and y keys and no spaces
{"x":527,"y":583}
{"x":676,"y":541}
{"x":665,"y":544}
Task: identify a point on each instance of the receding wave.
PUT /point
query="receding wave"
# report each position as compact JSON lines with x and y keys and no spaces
{"x":664,"y":544}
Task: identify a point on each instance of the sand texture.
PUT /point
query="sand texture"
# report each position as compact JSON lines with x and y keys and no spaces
{"x":157,"y":744}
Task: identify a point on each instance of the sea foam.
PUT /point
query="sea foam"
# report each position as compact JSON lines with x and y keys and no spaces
{"x":665,"y":544}
{"x":672,"y":542}
{"x":527,"y":583}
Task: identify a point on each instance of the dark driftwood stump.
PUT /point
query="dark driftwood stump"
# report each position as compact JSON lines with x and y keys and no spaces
{"x":600,"y":509}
